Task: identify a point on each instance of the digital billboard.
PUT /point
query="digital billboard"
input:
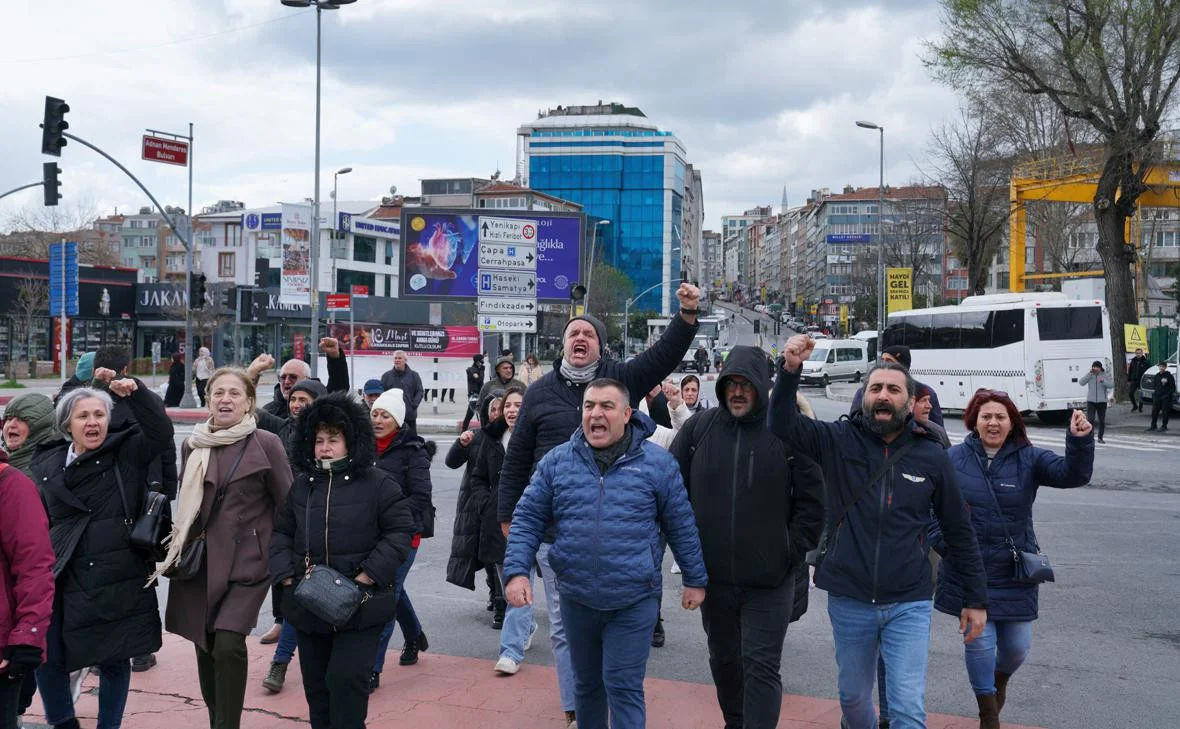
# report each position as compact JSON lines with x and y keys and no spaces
{"x":440,"y":252}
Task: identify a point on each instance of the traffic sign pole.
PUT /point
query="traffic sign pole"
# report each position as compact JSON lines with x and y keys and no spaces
{"x":62,"y":357}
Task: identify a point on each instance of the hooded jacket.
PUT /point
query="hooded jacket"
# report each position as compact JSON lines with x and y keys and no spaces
{"x":758,"y":505}
{"x":1014,"y":476}
{"x":36,"y":410}
{"x":498,"y":383}
{"x":475,"y":375}
{"x":552,"y":408}
{"x":608,"y":553}
{"x":356,"y":516}
{"x":879,"y":552}
{"x":26,"y":562}
{"x":474,"y":505}
{"x":1098,"y":386}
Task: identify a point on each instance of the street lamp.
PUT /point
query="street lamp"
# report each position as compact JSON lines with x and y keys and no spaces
{"x":632,"y":300}
{"x":320,"y":6}
{"x":590,"y":266}
{"x":880,"y":235}
{"x":336,"y":222}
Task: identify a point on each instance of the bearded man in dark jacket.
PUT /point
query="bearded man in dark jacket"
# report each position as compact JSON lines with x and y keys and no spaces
{"x":759,"y":509}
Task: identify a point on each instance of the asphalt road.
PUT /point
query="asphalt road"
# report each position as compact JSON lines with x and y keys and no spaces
{"x":1105,"y":653}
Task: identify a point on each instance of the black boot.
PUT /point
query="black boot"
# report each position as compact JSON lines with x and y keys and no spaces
{"x":71,"y":724}
{"x":1001,"y":690}
{"x":411,"y":649}
{"x":374,"y":682}
{"x":498,"y":613}
{"x":275,"y":678}
{"x":989,"y":713}
{"x":657,"y":635}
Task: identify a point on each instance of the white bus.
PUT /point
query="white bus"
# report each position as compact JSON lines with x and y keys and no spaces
{"x":1032,"y":346}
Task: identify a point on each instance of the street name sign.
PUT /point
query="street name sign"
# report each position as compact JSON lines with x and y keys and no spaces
{"x":496,"y":323}
{"x":508,"y":256}
{"x":507,"y":305}
{"x":507,"y":230}
{"x":507,"y":283}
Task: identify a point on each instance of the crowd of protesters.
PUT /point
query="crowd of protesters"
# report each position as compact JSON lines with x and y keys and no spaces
{"x":583,"y":473}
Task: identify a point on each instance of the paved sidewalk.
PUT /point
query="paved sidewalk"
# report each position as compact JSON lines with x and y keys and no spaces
{"x":441,"y":691}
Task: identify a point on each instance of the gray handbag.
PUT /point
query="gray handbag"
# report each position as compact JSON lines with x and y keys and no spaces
{"x":323,"y":591}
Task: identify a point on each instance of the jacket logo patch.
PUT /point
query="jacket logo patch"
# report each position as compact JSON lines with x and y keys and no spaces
{"x":636,"y":469}
{"x":1007,"y":485}
{"x":915,"y":479}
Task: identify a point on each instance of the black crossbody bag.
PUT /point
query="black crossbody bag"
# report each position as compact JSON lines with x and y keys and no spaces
{"x":816,"y":557}
{"x":325,"y":592}
{"x":152,"y":527}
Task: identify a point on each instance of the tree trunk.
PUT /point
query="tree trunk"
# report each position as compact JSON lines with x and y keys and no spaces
{"x":1120,"y":285}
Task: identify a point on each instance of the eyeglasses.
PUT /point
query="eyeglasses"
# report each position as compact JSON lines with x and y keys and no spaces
{"x":288,"y":377}
{"x":732,"y":384}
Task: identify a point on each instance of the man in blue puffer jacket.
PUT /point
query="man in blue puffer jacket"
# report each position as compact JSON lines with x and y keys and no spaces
{"x":609,"y":494}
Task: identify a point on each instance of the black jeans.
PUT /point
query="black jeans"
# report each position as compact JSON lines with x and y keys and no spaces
{"x":201,"y":391}
{"x":1096,"y":413}
{"x":746,"y":627}
{"x":15,"y":695}
{"x":336,"y":668}
{"x":1161,"y":406}
{"x":470,"y":411}
{"x":1136,"y":397}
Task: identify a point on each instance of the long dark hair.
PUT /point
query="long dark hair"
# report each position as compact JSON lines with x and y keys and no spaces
{"x":982,"y":397}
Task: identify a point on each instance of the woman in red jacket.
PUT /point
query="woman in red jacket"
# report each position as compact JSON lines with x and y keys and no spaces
{"x":26,"y":590}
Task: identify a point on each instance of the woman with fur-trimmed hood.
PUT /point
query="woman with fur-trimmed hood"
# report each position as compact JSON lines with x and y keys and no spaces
{"x":360,"y":524}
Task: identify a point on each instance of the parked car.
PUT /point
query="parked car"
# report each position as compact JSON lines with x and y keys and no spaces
{"x":1147,"y":384}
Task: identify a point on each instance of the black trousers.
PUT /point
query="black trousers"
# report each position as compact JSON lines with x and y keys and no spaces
{"x":470,"y":411}
{"x":221,"y":672}
{"x":746,"y":628}
{"x":1161,"y":406}
{"x":15,"y":696}
{"x":1096,"y":413}
{"x":1136,"y":397}
{"x":336,"y":668}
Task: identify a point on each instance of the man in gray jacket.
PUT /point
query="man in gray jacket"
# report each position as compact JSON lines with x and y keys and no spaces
{"x":408,"y":381}
{"x":1098,"y":386}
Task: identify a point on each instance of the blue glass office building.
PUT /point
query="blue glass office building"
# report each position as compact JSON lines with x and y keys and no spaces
{"x":620,"y":167}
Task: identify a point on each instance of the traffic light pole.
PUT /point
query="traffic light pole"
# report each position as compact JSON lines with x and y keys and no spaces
{"x":18,"y":189}
{"x":185,"y":239}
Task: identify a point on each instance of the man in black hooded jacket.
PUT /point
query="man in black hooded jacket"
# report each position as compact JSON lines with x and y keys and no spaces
{"x":759,"y":509}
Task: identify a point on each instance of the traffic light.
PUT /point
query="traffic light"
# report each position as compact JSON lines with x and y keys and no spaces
{"x":52,"y":187}
{"x":196,"y":293}
{"x":55,"y":123}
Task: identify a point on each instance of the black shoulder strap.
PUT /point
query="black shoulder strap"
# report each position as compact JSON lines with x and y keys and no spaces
{"x":888,"y":464}
{"x":223,"y":487}
{"x":712,"y":414}
{"x":127,"y":518}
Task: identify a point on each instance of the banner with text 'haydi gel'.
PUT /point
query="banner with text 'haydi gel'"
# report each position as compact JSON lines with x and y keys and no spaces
{"x":898,"y":284}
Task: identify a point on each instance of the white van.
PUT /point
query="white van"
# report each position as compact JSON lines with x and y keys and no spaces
{"x":836,"y":359}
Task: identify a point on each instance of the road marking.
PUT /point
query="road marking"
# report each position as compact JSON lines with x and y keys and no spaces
{"x":1145,"y":446}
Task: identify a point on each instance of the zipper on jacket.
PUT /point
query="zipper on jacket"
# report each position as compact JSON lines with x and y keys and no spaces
{"x":733,"y":486}
{"x":598,"y":525}
{"x":327,"y":514}
{"x":880,"y":528}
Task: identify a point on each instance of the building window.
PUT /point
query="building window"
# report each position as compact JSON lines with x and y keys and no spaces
{"x":364,"y":249}
{"x":346,"y":279}
{"x":225,"y":265}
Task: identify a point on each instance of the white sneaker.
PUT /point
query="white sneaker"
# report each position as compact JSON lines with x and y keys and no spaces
{"x":675,"y":568}
{"x":529,"y":641}
{"x":507,"y":666}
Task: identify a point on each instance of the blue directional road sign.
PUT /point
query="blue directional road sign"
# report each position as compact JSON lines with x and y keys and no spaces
{"x":63,"y":279}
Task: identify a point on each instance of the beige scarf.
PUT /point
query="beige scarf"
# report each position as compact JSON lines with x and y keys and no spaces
{"x":192,"y":484}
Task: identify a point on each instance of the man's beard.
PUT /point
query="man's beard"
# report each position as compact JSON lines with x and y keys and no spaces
{"x":887,"y":427}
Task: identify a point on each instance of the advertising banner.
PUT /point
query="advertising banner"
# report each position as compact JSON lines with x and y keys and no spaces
{"x":898,"y":282}
{"x":415,"y":339}
{"x":295,"y":280}
{"x":440,"y":252}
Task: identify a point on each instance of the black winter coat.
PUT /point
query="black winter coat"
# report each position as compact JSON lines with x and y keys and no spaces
{"x":407,"y":460}
{"x":337,"y":382}
{"x":349,"y":516}
{"x":107,"y":613}
{"x":162,"y":470}
{"x":485,"y":486}
{"x":758,"y":504}
{"x":475,"y":375}
{"x":552,"y":408}
{"x":175,"y":392}
{"x":473,"y":508}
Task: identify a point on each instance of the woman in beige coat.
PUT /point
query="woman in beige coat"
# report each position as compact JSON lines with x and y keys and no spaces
{"x":235,"y":478}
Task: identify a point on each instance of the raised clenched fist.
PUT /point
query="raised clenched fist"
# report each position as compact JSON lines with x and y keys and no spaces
{"x":797,"y":349}
{"x":123,"y":387}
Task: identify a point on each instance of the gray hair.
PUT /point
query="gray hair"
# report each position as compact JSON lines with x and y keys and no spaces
{"x":303,"y":366}
{"x":894,"y":367}
{"x":402,"y":352}
{"x":70,"y":400}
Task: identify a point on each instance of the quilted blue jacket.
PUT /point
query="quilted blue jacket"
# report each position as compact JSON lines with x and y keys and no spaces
{"x":607,"y":553}
{"x":1016,"y":473}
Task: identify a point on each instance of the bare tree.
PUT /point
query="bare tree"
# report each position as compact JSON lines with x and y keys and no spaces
{"x":32,"y":302}
{"x":609,"y":292}
{"x":966,"y":160}
{"x":1110,"y":64}
{"x":913,"y":236}
{"x":34,"y":228}
{"x":1059,"y":232}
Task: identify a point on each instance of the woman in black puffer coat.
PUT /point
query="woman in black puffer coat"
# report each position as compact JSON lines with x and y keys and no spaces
{"x":360,"y":524}
{"x":471,"y":506}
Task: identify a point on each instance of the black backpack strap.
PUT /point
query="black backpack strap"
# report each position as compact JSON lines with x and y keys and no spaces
{"x":712,"y":415}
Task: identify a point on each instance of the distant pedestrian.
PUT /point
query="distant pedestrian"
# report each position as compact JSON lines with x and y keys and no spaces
{"x":475,"y":380}
{"x":175,"y":392}
{"x":690,"y":391}
{"x":1162,"y":397}
{"x":1136,"y":368}
{"x":402,"y":377}
{"x":999,"y":472}
{"x":503,"y":377}
{"x":203,"y":368}
{"x":371,"y":391}
{"x":531,"y":371}
{"x":1098,"y":388}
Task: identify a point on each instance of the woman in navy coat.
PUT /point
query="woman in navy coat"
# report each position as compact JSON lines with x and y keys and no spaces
{"x":999,"y":473}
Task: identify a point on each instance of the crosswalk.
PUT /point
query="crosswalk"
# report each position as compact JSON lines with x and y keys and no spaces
{"x":1056,"y":442}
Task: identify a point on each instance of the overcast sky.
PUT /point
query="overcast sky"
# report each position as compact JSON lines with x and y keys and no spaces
{"x":763,"y":93}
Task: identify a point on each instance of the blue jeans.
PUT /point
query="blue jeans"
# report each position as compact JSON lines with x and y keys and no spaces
{"x":1000,"y":647}
{"x":561,"y":648}
{"x":900,"y":632}
{"x":609,"y":649}
{"x":288,"y":642}
{"x":406,"y":617}
{"x":519,"y":624}
{"x":53,"y":681}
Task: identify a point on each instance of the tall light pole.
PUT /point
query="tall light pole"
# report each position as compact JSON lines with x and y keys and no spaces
{"x":632,"y":300}
{"x":320,"y":6}
{"x":335,"y":222}
{"x":880,"y":235}
{"x":590,"y":264}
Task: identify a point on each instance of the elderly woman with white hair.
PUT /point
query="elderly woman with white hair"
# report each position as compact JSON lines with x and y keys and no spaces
{"x":94,"y":483}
